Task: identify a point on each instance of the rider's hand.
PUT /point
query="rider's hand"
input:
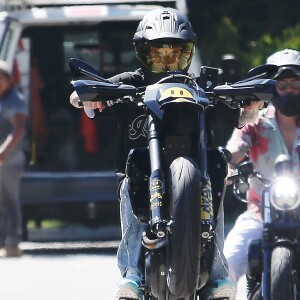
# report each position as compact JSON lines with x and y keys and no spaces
{"x":94,"y":105}
{"x":249,"y":112}
{"x":75,"y":101}
{"x":229,"y":173}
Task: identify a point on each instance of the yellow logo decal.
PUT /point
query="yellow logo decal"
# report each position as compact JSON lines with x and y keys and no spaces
{"x":156,"y":195}
{"x":206,"y":202}
{"x":155,"y":185}
{"x":176,"y":92}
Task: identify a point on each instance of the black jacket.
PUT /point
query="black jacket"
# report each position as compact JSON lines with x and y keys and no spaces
{"x":131,"y":119}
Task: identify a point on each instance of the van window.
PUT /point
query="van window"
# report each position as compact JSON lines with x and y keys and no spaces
{"x":109,"y":50}
{"x":6,"y":42}
{"x":84,"y":45}
{"x":2,"y":28}
{"x":62,"y":138}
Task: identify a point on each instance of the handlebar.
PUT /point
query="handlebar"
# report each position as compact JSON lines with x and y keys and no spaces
{"x":95,"y":91}
{"x":240,"y":177}
{"x":101,"y":89}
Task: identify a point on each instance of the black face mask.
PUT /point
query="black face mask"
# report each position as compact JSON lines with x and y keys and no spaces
{"x":288,"y":105}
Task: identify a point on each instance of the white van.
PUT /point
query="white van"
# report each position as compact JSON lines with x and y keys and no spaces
{"x":70,"y":158}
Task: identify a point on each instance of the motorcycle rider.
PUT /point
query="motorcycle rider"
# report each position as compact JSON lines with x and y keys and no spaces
{"x":164,"y":41}
{"x":275,"y":131}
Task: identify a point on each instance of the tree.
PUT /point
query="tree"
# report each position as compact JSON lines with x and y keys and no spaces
{"x":251,"y":30}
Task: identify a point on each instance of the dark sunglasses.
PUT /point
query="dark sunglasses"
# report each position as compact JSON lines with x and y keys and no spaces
{"x":282,"y":84}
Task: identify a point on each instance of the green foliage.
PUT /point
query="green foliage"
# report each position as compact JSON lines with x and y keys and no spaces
{"x":267,"y":44}
{"x":291,"y":37}
{"x":49,"y":224}
{"x":251,"y":30}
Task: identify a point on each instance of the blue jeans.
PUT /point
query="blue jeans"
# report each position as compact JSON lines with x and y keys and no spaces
{"x":10,"y":208}
{"x":129,"y":254}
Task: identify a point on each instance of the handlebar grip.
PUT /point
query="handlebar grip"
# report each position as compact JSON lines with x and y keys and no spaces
{"x":75,"y":101}
{"x":234,"y":175}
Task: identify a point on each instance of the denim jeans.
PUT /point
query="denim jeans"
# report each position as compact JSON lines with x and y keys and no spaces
{"x":10,"y":208}
{"x":130,"y":250}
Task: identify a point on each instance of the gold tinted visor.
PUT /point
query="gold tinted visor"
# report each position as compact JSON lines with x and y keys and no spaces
{"x":163,"y":57}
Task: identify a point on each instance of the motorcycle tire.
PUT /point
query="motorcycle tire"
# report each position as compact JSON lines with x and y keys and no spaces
{"x":255,"y":294}
{"x":282,"y":279}
{"x":184,"y":243}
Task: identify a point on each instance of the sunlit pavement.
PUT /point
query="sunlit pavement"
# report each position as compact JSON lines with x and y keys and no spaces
{"x":59,"y":277}
{"x":66,"y":273}
{"x":66,"y":270}
{"x":53,"y":269}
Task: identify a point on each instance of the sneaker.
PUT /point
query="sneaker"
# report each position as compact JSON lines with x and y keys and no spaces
{"x":128,"y":290}
{"x":221,"y":289}
{"x":11,"y":252}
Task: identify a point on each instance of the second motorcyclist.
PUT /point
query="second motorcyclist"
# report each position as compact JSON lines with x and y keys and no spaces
{"x":275,"y":131}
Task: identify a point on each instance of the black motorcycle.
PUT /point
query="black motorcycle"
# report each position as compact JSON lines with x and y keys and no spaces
{"x":176,"y":184}
{"x":273,"y":260}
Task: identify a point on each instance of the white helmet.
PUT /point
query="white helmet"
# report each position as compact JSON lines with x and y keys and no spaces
{"x":284,"y":57}
{"x":288,"y":61}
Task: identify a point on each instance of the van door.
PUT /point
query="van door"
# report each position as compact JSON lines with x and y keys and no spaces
{"x":10,"y":31}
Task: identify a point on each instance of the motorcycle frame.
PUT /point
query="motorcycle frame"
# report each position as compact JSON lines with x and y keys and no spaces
{"x":274,"y":234}
{"x":280,"y":228}
{"x":160,"y":224}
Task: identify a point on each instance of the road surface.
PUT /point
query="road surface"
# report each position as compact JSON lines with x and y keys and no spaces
{"x":65,"y":270}
{"x":60,"y":273}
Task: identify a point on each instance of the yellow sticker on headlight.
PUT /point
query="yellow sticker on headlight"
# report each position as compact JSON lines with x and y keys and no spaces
{"x":176,"y":92}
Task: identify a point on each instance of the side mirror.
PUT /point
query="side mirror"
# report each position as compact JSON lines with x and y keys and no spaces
{"x":263,"y":71}
{"x":79,"y":68}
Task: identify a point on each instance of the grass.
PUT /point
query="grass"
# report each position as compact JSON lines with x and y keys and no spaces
{"x":49,"y":224}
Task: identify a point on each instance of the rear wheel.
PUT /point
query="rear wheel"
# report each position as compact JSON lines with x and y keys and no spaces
{"x":282,"y":278}
{"x":184,"y":247}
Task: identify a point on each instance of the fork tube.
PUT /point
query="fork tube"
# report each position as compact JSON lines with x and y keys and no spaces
{"x":267,"y":252}
{"x":267,"y":243}
{"x":203,"y":150}
{"x":156,"y":182}
{"x":266,"y":206}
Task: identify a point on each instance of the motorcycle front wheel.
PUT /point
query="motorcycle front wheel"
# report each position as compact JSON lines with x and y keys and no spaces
{"x":282,"y":278}
{"x":184,"y":243}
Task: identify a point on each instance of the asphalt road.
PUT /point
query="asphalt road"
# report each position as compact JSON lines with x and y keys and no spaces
{"x":61,"y":270}
{"x":57,"y":271}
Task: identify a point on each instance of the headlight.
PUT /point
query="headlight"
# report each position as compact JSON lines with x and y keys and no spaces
{"x":285,"y":194}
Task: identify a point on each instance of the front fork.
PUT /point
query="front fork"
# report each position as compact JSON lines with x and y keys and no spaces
{"x":267,"y":245}
{"x":157,"y":184}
